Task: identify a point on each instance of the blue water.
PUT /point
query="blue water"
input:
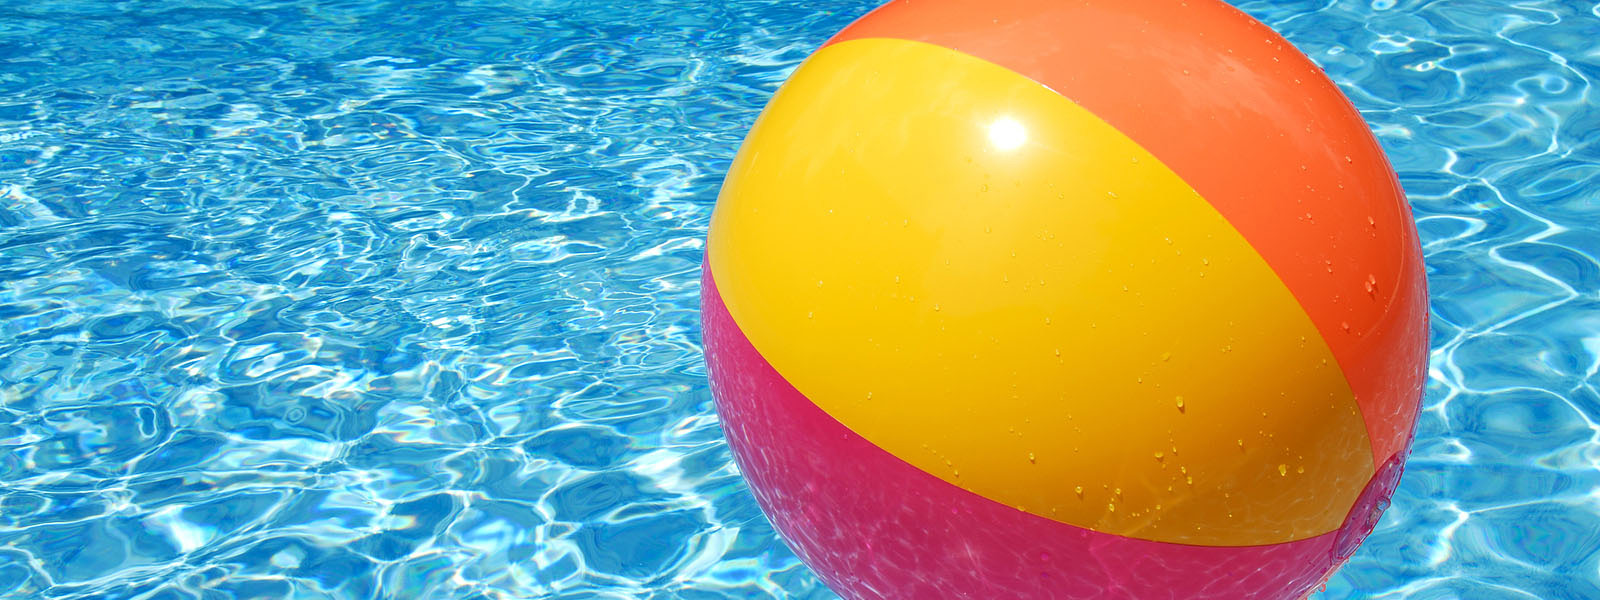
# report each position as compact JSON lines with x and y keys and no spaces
{"x":371,"y":298}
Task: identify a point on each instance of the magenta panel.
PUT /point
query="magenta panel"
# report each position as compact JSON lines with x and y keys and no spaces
{"x":874,"y":526}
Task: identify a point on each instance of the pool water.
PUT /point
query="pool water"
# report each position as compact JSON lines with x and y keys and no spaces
{"x":383,"y":299}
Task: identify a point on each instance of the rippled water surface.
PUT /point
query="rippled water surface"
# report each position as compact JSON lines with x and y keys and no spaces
{"x":398,"y":299}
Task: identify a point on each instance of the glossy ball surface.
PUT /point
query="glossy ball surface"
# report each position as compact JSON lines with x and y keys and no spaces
{"x":1065,"y":299}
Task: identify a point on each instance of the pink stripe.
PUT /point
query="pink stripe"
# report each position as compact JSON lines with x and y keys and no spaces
{"x":873,"y":526}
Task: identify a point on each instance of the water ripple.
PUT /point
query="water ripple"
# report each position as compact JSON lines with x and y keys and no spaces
{"x":377,"y":299}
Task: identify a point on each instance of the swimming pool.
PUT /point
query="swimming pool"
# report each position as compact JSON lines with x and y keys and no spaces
{"x":384,"y":299}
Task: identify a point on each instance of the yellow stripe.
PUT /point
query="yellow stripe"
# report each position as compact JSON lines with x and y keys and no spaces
{"x":988,"y":281}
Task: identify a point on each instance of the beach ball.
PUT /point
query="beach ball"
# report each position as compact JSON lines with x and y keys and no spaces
{"x":1065,"y":299}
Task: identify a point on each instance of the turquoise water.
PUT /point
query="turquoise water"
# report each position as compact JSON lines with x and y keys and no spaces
{"x":380,"y":299}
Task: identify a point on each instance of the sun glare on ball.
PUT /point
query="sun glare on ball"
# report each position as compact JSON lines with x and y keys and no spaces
{"x":1007,"y":134}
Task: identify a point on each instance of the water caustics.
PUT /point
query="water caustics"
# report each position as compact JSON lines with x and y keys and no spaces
{"x":369,"y":299}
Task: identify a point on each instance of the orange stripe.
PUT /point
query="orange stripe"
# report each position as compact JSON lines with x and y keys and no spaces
{"x":1258,"y":130}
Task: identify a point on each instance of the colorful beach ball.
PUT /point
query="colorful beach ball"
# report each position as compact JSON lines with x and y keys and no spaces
{"x":1065,"y":299}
